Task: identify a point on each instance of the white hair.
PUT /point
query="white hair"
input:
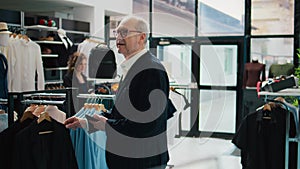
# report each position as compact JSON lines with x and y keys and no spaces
{"x":141,"y":24}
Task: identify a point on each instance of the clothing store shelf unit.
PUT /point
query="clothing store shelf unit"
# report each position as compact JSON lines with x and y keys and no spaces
{"x":288,"y":139}
{"x":49,"y":42}
{"x":41,"y":27}
{"x":18,"y":100}
{"x":61,"y":71}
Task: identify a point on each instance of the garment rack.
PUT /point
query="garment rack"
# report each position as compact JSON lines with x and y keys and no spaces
{"x":18,"y":100}
{"x":3,"y":101}
{"x":288,"y":139}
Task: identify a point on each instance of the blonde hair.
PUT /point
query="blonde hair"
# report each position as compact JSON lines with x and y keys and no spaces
{"x":74,"y":60}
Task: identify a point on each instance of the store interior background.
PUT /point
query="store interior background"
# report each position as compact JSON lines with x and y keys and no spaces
{"x":204,"y":45}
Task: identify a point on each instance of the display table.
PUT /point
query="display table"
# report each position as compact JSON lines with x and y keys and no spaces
{"x":295,"y":92}
{"x":285,"y":92}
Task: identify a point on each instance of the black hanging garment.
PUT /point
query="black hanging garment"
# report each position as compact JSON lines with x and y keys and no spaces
{"x":102,"y":63}
{"x":7,"y":139}
{"x":262,"y":140}
{"x":3,"y":77}
{"x":37,"y":148}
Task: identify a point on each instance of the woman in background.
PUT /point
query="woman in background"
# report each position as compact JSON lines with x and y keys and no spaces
{"x":75,"y":77}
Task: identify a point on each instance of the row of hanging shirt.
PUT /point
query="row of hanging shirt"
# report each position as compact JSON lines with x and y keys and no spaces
{"x":89,"y":147}
{"x":24,"y":62}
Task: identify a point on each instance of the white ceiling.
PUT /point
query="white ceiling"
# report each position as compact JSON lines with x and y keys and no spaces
{"x":38,"y":5}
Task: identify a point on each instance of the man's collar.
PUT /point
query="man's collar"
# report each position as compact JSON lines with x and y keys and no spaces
{"x":127,"y":64}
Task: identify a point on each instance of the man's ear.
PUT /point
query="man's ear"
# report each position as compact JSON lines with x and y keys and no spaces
{"x":143,"y":37}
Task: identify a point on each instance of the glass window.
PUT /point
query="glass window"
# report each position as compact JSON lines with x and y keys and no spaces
{"x":218,"y":65}
{"x":272,"y":17}
{"x":141,"y":9}
{"x":177,"y":61}
{"x":272,"y":51}
{"x":173,"y":18}
{"x":217,"y":111}
{"x":218,"y":18}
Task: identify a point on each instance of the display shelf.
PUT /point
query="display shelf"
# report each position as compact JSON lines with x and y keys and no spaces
{"x":53,"y":82}
{"x":49,"y":42}
{"x":56,"y":68}
{"x":41,"y":27}
{"x":77,"y":32}
{"x":50,"y":55}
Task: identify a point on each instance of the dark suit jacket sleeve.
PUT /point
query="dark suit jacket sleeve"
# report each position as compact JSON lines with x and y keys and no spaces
{"x":139,"y":90}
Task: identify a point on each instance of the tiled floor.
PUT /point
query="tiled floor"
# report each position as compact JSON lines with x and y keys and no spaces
{"x":203,"y":153}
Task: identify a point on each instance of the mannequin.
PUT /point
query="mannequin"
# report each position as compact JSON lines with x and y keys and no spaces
{"x":4,"y":34}
{"x":254,"y":72}
{"x":63,"y":36}
{"x":4,"y":38}
{"x":281,"y":68}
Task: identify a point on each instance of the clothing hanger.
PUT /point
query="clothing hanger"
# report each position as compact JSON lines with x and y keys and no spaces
{"x":266,"y":112}
{"x":2,"y":111}
{"x":187,"y":104}
{"x":27,"y":115}
{"x":267,"y":107}
{"x":44,"y":116}
{"x":40,"y":109}
{"x":100,"y":107}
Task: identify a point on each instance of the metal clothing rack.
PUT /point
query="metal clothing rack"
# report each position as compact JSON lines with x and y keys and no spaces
{"x":3,"y":101}
{"x":288,"y":139}
{"x":18,"y":100}
{"x":97,"y":96}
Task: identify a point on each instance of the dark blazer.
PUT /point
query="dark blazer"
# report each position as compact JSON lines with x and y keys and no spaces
{"x":7,"y":139}
{"x":40,"y":151}
{"x":136,"y":128}
{"x":3,"y":77}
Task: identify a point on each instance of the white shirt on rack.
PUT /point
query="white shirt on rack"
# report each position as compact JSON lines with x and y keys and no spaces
{"x":85,"y":47}
{"x":25,"y":61}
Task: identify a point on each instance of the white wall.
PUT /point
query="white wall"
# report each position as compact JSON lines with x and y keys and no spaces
{"x":94,"y":12}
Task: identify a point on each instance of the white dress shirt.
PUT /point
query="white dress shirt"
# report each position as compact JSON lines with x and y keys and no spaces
{"x":85,"y":47}
{"x":25,"y":60}
{"x":127,"y":64}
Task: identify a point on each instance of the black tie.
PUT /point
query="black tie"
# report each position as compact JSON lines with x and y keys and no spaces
{"x":69,"y":45}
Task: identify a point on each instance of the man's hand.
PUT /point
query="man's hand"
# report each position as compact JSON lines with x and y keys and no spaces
{"x":100,"y":124}
{"x":75,"y":122}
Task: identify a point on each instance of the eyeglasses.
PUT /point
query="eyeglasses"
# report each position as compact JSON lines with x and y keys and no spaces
{"x":124,"y":32}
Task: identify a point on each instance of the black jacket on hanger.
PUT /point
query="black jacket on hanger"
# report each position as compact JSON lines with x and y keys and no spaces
{"x":102,"y":63}
{"x":262,"y":141}
{"x":7,"y":139}
{"x":33,"y":150}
